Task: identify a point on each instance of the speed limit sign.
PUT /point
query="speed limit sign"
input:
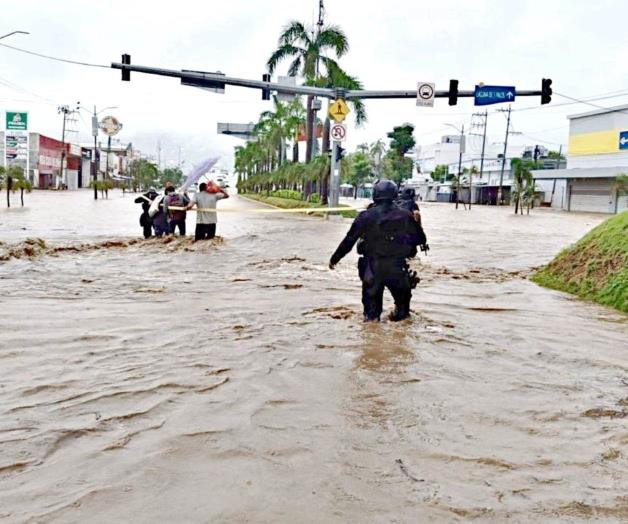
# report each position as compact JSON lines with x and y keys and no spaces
{"x":338,"y":132}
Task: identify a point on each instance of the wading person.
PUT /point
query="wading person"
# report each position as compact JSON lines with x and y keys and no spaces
{"x":145,"y":220}
{"x":388,"y":236}
{"x":158,"y":216}
{"x":176,"y":216}
{"x":205,"y":200}
{"x":407,"y":201}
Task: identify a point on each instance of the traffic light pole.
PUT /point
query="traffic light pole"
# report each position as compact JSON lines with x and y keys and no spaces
{"x":215,"y":80}
{"x":203,"y":78}
{"x":334,"y":182}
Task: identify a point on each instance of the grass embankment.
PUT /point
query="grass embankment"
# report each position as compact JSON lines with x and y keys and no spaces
{"x":596,"y":267}
{"x":290,"y":203}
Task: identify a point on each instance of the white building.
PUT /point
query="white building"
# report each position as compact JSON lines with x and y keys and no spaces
{"x":598,"y":154}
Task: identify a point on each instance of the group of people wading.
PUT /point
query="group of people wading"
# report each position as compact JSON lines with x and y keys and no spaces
{"x":387,"y":235}
{"x":164,"y":214}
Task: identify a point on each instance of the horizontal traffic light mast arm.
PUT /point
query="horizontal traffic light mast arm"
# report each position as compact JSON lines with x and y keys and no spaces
{"x":242,"y":82}
{"x":363,"y":94}
{"x":291,"y":89}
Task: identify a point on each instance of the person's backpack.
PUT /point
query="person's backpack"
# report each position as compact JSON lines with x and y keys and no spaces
{"x":176,"y":200}
{"x":394,"y":233}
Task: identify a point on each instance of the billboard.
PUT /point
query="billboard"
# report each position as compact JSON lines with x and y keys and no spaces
{"x":16,"y":121}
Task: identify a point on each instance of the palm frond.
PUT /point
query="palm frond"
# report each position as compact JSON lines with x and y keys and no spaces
{"x":284,"y":51}
{"x":332,"y":37}
{"x":294,"y":31}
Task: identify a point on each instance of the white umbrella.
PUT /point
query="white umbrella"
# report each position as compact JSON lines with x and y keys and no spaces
{"x":198,"y":171}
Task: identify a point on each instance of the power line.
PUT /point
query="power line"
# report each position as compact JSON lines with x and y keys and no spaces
{"x":609,"y":109}
{"x":48,"y":57}
{"x":18,"y":88}
{"x":587,"y":101}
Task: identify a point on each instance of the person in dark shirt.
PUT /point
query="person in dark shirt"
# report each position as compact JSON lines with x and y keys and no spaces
{"x":146,"y":200}
{"x":388,"y":236}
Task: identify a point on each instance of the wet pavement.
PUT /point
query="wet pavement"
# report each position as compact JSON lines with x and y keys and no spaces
{"x":234,"y":381}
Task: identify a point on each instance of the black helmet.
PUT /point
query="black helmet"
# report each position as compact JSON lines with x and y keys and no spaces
{"x":408,"y":193}
{"x":384,"y":190}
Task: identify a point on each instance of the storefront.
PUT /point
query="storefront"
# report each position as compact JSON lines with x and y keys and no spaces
{"x":49,"y":162}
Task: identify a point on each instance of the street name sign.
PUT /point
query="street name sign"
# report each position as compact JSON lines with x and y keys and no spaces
{"x":425,"y":94}
{"x":16,"y":121}
{"x":338,"y":132}
{"x":338,"y":110}
{"x":486,"y":95}
{"x":623,"y":140}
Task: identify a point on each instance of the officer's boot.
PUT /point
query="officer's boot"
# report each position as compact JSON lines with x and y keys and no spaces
{"x":401,"y":312}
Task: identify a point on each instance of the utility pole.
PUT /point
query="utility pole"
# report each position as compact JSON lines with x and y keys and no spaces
{"x":95,"y":135}
{"x":63,"y":171}
{"x":461,"y":151}
{"x":501,"y":174}
{"x":484,"y":123}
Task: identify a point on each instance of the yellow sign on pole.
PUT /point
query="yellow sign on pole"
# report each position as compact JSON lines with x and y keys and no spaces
{"x":338,"y":110}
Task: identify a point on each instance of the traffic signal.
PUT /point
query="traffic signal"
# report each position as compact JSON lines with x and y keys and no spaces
{"x":265,"y":92}
{"x":126,"y":74}
{"x":546,"y":91}
{"x":340,"y":153}
{"x":453,"y":92}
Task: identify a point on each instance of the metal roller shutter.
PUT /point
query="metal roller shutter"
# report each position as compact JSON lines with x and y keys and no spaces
{"x":591,"y":195}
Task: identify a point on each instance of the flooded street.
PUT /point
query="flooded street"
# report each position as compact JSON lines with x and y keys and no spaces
{"x":234,"y":381}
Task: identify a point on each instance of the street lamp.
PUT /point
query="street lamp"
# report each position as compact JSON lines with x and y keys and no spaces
{"x":15,"y":33}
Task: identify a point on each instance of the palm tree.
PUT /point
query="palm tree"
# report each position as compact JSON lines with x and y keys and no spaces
{"x":523,"y":182}
{"x":307,"y":50}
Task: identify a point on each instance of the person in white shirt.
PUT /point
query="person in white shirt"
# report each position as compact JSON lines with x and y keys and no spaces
{"x":205,"y":200}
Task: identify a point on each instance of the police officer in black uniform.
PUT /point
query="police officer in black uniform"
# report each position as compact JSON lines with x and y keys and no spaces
{"x":407,"y":199}
{"x":388,"y":236}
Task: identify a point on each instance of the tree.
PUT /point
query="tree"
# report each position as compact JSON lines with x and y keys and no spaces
{"x":523,"y":183}
{"x":308,"y":48}
{"x":441,"y":173}
{"x":378,"y":150}
{"x":144,"y":174}
{"x":13,"y":179}
{"x":358,"y":169}
{"x":399,"y":167}
{"x":171,"y":174}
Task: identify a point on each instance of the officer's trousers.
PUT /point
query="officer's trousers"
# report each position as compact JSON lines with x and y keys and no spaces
{"x":378,"y":274}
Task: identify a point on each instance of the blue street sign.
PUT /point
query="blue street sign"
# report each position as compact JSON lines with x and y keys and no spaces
{"x":486,"y":95}
{"x":623,"y":140}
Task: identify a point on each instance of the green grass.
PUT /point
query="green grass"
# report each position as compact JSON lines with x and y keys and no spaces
{"x":289,"y":203}
{"x":596,"y":267}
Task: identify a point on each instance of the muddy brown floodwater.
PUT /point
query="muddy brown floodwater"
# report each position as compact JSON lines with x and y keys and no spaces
{"x":235,"y":382}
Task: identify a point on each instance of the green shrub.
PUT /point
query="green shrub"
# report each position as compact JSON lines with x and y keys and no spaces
{"x":315,"y":198}
{"x":288,"y":193}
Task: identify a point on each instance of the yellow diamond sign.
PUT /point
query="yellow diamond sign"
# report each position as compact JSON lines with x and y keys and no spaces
{"x":338,"y":110}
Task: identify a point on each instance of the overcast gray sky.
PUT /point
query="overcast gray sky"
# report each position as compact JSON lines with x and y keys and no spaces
{"x":581,"y":45}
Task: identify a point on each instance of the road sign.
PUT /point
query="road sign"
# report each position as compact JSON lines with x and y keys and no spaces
{"x":16,"y":121}
{"x":425,"y":94}
{"x":110,"y":125}
{"x":486,"y":95}
{"x":338,"y":110}
{"x":338,"y":132}
{"x":623,"y":140}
